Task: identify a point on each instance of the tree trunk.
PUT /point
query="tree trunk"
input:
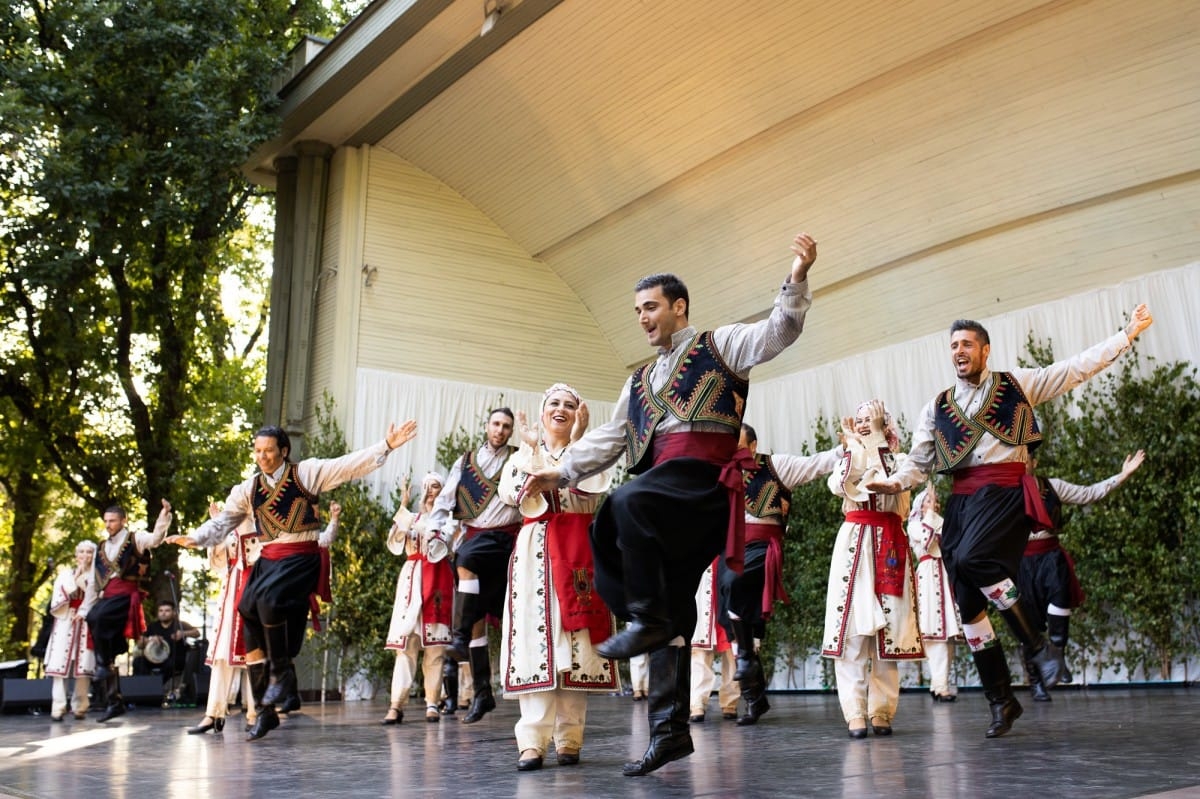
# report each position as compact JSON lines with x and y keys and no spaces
{"x":28,"y":496}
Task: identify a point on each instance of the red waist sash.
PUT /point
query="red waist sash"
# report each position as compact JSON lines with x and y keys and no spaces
{"x":891,"y":549}
{"x":719,"y":449}
{"x":772,"y":564}
{"x":471,"y":532}
{"x":1006,"y":475}
{"x":135,"y":620}
{"x":324,"y":590}
{"x":574,"y":573}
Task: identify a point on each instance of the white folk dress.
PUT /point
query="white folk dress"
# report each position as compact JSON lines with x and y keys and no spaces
{"x":537,"y":654}
{"x":852,"y":606}
{"x":69,"y":651}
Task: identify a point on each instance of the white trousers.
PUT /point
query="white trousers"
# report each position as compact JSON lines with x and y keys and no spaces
{"x":639,"y":674}
{"x":405,"y":672}
{"x":58,"y":696}
{"x":703,"y":679}
{"x":867,"y":686}
{"x":546,"y":716}
{"x":940,"y":655}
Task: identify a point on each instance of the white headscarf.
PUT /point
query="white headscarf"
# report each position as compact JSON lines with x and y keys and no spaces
{"x":555,"y":388}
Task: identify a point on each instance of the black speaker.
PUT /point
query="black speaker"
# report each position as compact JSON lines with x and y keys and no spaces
{"x":24,"y":694}
{"x":142,"y":690}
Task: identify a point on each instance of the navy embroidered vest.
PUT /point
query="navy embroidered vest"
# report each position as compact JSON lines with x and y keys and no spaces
{"x":767,"y":497}
{"x":129,"y":564}
{"x":1052,"y":502}
{"x":1006,"y":413}
{"x":702,"y":389}
{"x":476,"y":489}
{"x":288,"y":507}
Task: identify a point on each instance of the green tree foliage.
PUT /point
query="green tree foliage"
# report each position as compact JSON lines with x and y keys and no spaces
{"x":123,"y":126}
{"x":1137,"y":552}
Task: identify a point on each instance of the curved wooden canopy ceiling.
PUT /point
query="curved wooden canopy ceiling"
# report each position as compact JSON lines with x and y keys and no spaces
{"x":611,"y":139}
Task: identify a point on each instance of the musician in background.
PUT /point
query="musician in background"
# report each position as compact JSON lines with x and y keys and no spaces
{"x":164,"y":650}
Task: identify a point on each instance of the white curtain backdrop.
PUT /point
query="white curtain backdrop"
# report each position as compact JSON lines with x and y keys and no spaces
{"x":906,"y":375}
{"x":440,"y":407}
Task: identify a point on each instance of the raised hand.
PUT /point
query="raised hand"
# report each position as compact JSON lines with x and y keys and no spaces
{"x":1132,"y":462}
{"x":582,"y":416}
{"x":876,"y":413}
{"x":406,"y":490}
{"x":399,"y":436}
{"x":1138,"y":321}
{"x":805,"y":249}
{"x":528,"y":434}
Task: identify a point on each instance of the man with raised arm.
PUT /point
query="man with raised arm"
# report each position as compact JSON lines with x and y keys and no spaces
{"x":982,"y":431}
{"x":677,"y":420}
{"x":282,"y":500}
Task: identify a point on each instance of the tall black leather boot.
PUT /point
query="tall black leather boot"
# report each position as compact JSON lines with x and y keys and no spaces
{"x":282,"y":674}
{"x":1058,"y":630}
{"x":1040,"y":655}
{"x":1034,"y":677}
{"x":465,"y":606}
{"x":481,"y":677}
{"x":754,"y":694}
{"x":116,"y":702}
{"x":667,"y":710}
{"x":268,"y":718}
{"x":747,"y":658}
{"x":997,"y":687}
{"x":450,"y":686}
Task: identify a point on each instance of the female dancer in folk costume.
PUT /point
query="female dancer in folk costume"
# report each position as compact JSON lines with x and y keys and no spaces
{"x":937,"y":613}
{"x":69,"y":651}
{"x":231,"y":561}
{"x":870,"y":618}
{"x":553,"y":616}
{"x":421,"y":613}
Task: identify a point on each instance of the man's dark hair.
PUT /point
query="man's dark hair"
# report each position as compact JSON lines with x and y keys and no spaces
{"x":970,"y":324}
{"x":672,"y":288}
{"x":168,"y":602}
{"x":281,"y":438}
{"x":117,"y":509}
{"x":504,"y":409}
{"x":751,"y":436}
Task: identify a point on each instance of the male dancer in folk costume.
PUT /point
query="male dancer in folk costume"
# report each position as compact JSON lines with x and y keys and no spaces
{"x":870,"y":613}
{"x":749,"y":598}
{"x":937,"y":614}
{"x":677,"y":420}
{"x":282,"y":499}
{"x":1047,"y":575}
{"x":981,"y":431}
{"x":69,"y":652}
{"x":708,"y":641}
{"x":421,"y":611}
{"x":122,"y":567}
{"x":470,"y":498}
